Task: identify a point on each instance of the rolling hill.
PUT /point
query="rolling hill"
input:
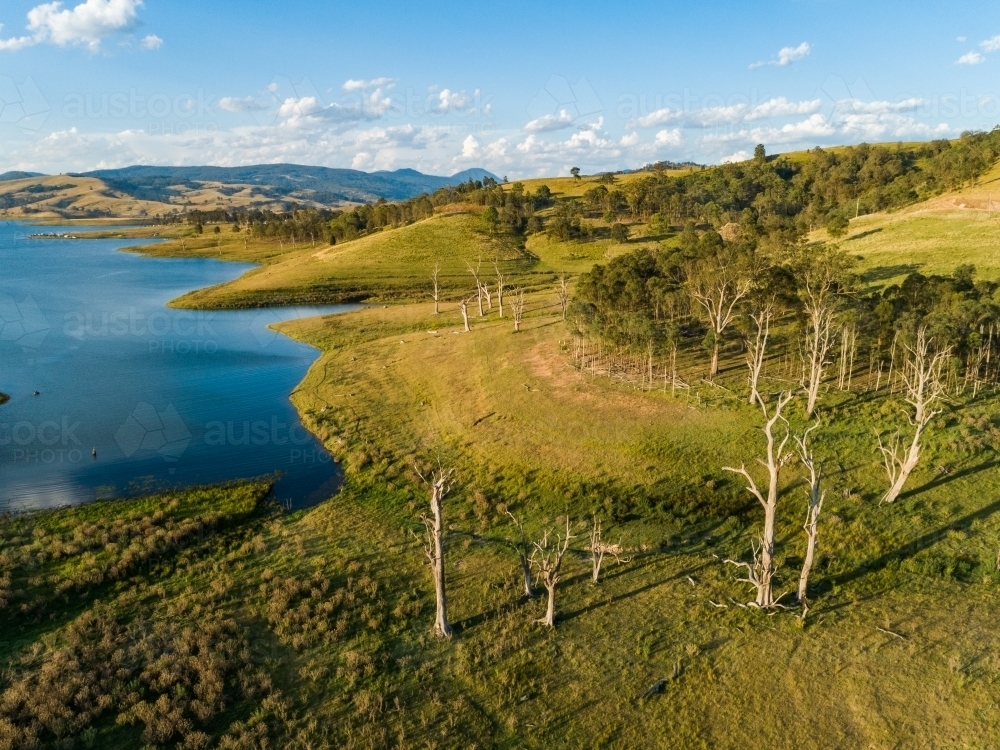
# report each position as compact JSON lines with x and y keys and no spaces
{"x":143,"y":191}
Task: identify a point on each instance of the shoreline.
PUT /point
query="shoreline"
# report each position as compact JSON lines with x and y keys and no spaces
{"x":152,"y":233}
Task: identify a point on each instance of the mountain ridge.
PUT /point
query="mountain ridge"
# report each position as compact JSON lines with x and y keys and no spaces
{"x":280,"y":182}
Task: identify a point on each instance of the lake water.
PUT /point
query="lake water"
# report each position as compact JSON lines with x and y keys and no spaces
{"x":166,"y":397}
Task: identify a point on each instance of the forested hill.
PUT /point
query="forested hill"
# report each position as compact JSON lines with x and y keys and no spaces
{"x":280,"y":182}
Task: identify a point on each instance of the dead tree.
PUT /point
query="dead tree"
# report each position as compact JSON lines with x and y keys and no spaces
{"x":465,"y":313}
{"x":563,"y":292}
{"x":523,"y":556}
{"x":921,"y":377}
{"x":435,"y":295}
{"x":761,"y":570}
{"x":547,"y":559}
{"x":501,"y":279}
{"x":819,"y":314}
{"x":488,"y":295}
{"x":756,"y":349}
{"x":816,"y":496}
{"x":440,"y":485}
{"x":718,"y":290}
{"x":599,"y":549}
{"x":479,"y":284}
{"x":517,"y":308}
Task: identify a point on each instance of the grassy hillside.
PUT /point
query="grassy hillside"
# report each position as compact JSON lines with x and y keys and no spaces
{"x":72,"y":197}
{"x":934,"y":236}
{"x":148,"y":192}
{"x":304,"y":185}
{"x":391,"y":264}
{"x":321,"y":620}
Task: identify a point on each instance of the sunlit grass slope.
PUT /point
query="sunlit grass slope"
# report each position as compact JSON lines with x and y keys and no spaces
{"x":391,"y":264}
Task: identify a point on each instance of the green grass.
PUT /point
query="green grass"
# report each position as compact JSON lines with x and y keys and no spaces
{"x":530,"y":432}
{"x":931,"y":242}
{"x":388,"y":265}
{"x":899,"y":648}
{"x":932,"y":237}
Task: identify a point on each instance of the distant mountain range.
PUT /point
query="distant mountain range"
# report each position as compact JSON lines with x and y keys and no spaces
{"x":278,"y":182}
{"x":9,"y":176}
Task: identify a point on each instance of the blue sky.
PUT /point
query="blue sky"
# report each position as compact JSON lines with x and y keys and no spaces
{"x":520,"y":88}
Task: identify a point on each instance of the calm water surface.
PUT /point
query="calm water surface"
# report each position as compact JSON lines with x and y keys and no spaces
{"x":165,"y":397}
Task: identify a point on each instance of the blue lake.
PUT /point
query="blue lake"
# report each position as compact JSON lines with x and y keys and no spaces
{"x":165,"y":397}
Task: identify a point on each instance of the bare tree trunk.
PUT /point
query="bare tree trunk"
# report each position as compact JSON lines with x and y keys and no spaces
{"x":756,"y":350}
{"x":517,"y":308}
{"x":550,"y":608}
{"x":523,"y":557}
{"x":817,"y":343}
{"x":718,"y":294}
{"x":435,"y":294}
{"x":479,"y":284}
{"x":761,"y":571}
{"x":922,"y":379}
{"x":547,"y":558}
{"x":563,"y":293}
{"x":500,"y":286}
{"x":816,"y":497}
{"x":599,"y":549}
{"x":440,"y":485}
{"x":465,"y":313}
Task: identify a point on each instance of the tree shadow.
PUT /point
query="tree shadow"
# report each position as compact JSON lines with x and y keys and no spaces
{"x":943,"y":480}
{"x":884,"y":273}
{"x":917,"y":545}
{"x":566,"y":617}
{"x":867,"y":233}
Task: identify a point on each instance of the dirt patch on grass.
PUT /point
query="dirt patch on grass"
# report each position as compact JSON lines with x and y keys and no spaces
{"x":556,"y":374}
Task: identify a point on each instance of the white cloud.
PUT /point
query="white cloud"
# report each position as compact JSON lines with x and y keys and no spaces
{"x":781,"y":107}
{"x":988,"y":45}
{"x":961,"y":39}
{"x":16,"y":43}
{"x":152,"y":42}
{"x":669,"y":137}
{"x":742,"y":155}
{"x":971,"y":58}
{"x":470,"y":148}
{"x":881,"y":107}
{"x":357,"y":84}
{"x":888,"y":125}
{"x":632,"y":139}
{"x":408,"y":136}
{"x":303,"y":111}
{"x":711,"y":116}
{"x":696,"y":118}
{"x":814,"y":127}
{"x":246,"y":104}
{"x":548,"y":123}
{"x":450,"y":101}
{"x":786,"y":56}
{"x":87,"y":23}
{"x":726,"y":115}
{"x":657,"y":117}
